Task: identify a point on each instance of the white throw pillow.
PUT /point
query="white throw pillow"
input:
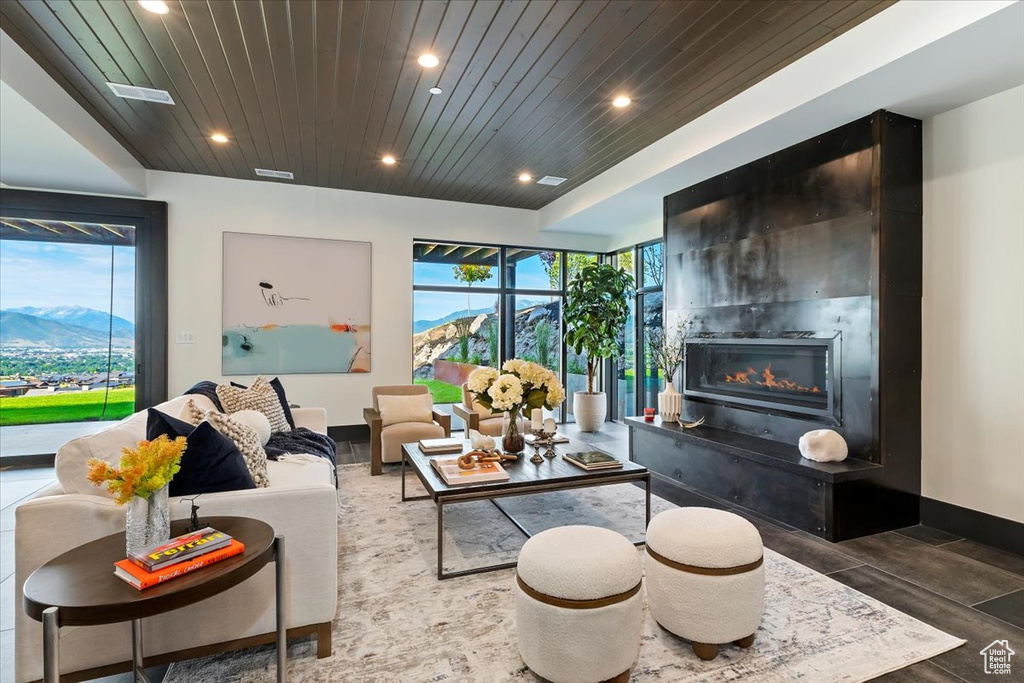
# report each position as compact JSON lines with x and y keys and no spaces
{"x":70,"y":463}
{"x":257,"y":421}
{"x":414,"y":408}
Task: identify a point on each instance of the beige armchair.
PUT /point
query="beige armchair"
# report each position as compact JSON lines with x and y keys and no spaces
{"x":386,"y":441}
{"x":476,"y":416}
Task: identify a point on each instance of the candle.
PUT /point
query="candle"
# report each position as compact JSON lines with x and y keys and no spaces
{"x":537,"y":419}
{"x":648,"y":414}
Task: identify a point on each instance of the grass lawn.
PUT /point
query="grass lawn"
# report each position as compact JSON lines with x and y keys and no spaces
{"x":75,"y":406}
{"x":442,"y":391}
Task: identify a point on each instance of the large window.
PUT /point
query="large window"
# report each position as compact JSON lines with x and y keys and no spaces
{"x":67,"y":335}
{"x":637,"y":382}
{"x":479,"y":305}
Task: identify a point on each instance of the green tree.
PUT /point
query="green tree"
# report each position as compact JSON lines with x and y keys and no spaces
{"x":596,"y":308}
{"x":553,"y":265}
{"x":626,"y":260}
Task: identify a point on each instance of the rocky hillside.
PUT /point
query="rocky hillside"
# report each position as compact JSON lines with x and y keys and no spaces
{"x":442,"y":341}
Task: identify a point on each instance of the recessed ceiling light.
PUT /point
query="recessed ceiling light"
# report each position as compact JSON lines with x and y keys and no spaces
{"x":621,"y":101}
{"x":388,"y":160}
{"x":525,"y":177}
{"x":155,"y":6}
{"x":435,"y":91}
{"x":428,"y":61}
{"x":219,"y":137}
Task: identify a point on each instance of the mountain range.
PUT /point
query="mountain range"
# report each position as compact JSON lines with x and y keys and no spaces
{"x":423,"y":325}
{"x":67,"y":327}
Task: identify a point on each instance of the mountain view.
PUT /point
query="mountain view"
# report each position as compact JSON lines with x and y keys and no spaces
{"x":55,"y":365}
{"x":62,"y":327}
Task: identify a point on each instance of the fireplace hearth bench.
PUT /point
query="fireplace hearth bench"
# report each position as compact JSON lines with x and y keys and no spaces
{"x":832,"y":500}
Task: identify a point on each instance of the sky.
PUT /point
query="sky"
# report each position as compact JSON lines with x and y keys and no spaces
{"x":530,"y":274}
{"x":52,"y":274}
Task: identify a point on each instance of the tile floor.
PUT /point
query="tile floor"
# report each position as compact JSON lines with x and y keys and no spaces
{"x":965,"y":588}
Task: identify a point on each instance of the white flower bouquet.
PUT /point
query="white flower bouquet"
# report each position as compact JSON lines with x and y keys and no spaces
{"x":519,"y":386}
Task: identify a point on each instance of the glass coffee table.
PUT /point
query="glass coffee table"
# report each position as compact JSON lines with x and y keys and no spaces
{"x":525,"y":477}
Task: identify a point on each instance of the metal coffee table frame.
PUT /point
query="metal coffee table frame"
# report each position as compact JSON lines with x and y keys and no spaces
{"x":472,"y":493}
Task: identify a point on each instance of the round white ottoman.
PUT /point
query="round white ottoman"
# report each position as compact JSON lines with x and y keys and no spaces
{"x":705,"y":577}
{"x":579,"y":609}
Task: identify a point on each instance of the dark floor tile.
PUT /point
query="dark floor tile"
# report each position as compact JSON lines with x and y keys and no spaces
{"x":922,"y":672}
{"x":995,"y":557}
{"x":683,"y":497}
{"x":929,"y":535}
{"x":1009,"y":608}
{"x":344,"y":447}
{"x":978,"y":628}
{"x":963,"y":579}
{"x":820,"y":556}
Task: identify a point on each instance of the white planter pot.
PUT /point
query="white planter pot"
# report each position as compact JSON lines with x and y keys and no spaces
{"x":589,"y":410}
{"x":670,"y":403}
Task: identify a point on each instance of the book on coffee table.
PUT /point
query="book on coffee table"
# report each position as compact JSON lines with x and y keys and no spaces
{"x":454,"y":475}
{"x":592,"y":460}
{"x":179,"y":549}
{"x":438,"y":446}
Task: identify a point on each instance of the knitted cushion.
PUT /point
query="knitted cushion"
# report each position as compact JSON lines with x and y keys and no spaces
{"x":259,"y":396}
{"x":704,"y":537}
{"x":579,"y":563}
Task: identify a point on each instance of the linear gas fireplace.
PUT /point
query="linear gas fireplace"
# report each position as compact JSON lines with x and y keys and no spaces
{"x":767,"y":374}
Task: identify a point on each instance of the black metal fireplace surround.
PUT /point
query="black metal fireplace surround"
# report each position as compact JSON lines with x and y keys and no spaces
{"x":802,"y":274}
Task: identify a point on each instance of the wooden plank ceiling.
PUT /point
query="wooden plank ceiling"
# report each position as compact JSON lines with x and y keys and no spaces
{"x":326,"y":88}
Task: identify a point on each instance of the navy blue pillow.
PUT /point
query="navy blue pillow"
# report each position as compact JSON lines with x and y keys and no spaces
{"x":211,"y":462}
{"x":278,"y":388}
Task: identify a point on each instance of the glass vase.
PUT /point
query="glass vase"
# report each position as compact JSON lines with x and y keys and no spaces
{"x":148,"y":521}
{"x":512,"y":429}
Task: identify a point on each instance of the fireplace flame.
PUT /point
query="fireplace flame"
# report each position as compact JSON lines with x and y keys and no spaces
{"x":769,"y":381}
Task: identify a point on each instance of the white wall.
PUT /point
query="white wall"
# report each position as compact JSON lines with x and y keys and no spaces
{"x":973,"y":309}
{"x":200,"y":208}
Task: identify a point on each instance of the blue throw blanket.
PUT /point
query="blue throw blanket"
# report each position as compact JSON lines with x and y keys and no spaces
{"x":298,"y":440}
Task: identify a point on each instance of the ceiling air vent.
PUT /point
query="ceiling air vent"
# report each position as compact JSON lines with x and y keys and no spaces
{"x":268,"y":173}
{"x":134,"y":92}
{"x":551,"y":180}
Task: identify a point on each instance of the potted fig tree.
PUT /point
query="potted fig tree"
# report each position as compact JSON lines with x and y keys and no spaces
{"x":596,"y":311}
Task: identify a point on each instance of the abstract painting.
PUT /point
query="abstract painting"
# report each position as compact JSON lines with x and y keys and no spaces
{"x":295,"y":305}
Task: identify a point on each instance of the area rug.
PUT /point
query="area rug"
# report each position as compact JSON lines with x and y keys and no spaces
{"x":397,"y":622}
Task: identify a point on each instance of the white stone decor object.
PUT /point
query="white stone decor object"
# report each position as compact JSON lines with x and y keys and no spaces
{"x":480,"y":441}
{"x":823,"y":445}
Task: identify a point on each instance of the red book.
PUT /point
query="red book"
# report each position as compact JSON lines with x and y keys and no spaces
{"x":138,"y":577}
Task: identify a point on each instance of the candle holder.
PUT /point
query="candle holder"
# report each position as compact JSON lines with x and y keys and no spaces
{"x":541,"y":438}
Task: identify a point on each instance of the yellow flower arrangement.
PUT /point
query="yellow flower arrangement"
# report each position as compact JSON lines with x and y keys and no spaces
{"x":141,"y":471}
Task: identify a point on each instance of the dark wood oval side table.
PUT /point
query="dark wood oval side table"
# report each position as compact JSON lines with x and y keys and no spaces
{"x":79,"y":588}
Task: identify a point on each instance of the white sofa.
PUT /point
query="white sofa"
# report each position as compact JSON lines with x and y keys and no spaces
{"x":300,"y":503}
